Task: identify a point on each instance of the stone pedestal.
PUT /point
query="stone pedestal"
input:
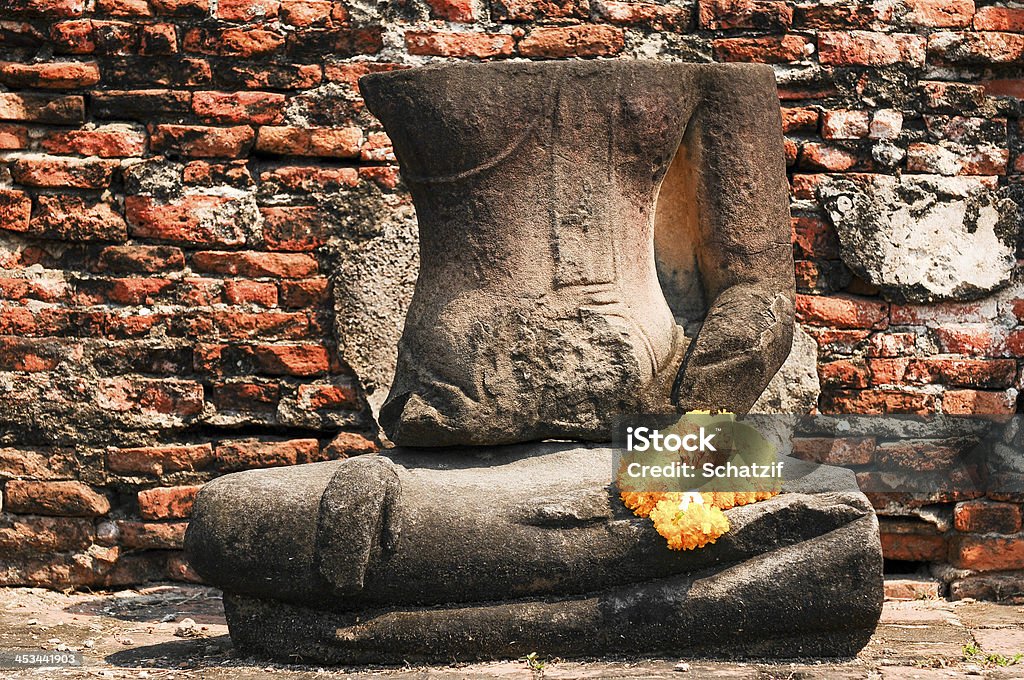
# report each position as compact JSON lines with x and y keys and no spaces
{"x":453,"y":556}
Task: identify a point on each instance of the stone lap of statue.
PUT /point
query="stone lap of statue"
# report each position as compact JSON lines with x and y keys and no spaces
{"x":538,"y":315}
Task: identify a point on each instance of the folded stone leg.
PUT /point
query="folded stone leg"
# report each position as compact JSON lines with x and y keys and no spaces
{"x":433,"y":557}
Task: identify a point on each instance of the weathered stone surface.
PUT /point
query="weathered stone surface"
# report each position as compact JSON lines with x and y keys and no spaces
{"x":394,"y":557}
{"x":537,"y":312}
{"x":795,"y":388}
{"x":922,"y":238}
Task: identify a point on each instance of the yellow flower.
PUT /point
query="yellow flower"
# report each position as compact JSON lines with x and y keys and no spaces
{"x":642,"y":502}
{"x":694,"y":527}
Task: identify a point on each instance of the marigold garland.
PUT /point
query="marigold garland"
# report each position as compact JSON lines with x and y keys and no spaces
{"x":688,"y":525}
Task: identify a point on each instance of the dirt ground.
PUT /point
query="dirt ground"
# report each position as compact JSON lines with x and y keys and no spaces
{"x":174,"y":631}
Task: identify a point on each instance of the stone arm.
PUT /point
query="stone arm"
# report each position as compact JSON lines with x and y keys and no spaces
{"x":739,"y":206}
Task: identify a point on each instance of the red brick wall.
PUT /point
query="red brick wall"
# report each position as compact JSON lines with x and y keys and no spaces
{"x":175,"y":174}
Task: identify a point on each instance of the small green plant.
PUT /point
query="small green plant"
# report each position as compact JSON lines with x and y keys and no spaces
{"x":973,"y":652}
{"x":533,"y":662}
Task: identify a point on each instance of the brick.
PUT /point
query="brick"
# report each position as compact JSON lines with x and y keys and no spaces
{"x":199,"y":141}
{"x":247,"y":10}
{"x":990,"y":373}
{"x":234,"y":325}
{"x":68,"y":499}
{"x":981,"y":517}
{"x":834,"y":15}
{"x":140,"y":259}
{"x":158,"y":39}
{"x":15,"y":210}
{"x":159,"y":460}
{"x":167,"y":502}
{"x":31,"y":354}
{"x":766,"y":49}
{"x":349,"y":73}
{"x":842,"y":312}
{"x":954,"y":159}
{"x":53,"y":171}
{"x":152,"y":535}
{"x":971,"y":339}
{"x":244,"y":292}
{"x":1009,"y":19}
{"x":988,"y":553}
{"x":254,"y":264}
{"x":232,"y":42}
{"x":559,"y":42}
{"x":866,"y":48}
{"x":34,"y":534}
{"x":150,"y":396}
{"x":252,"y":453}
{"x":943,"y":313}
{"x":302,"y":293}
{"x":341,"y":43}
{"x":105,"y":141}
{"x":889,"y":371}
{"x":298,"y":179}
{"x":977,"y":402}
{"x":136,"y":291}
{"x":305,"y":13}
{"x":60,"y":75}
{"x":801,"y":119}
{"x":531,"y":10}
{"x":347,"y":444}
{"x":759,"y":14}
{"x":814,"y":238}
{"x":293,"y":228}
{"x":180,"y":7}
{"x":297,"y":360}
{"x":258,"y":108}
{"x":876,"y":402}
{"x":835,"y":451}
{"x":939,"y":13}
{"x":39,"y":108}
{"x":13,"y":137}
{"x":206,"y":174}
{"x":377,"y":149}
{"x":975,"y":48}
{"x":44,"y":463}
{"x":647,"y":15}
{"x":189,"y":220}
{"x":885,"y":124}
{"x":124,"y":8}
{"x":246,"y":396}
{"x":824,"y":157}
{"x":50,"y":8}
{"x":843,"y":373}
{"x":333,"y":397}
{"x":297,"y":141}
{"x":76,"y":218}
{"x":882,"y":345}
{"x":914,"y":547}
{"x":88,"y":36}
{"x":274,"y":76}
{"x":913,"y":588}
{"x":459,"y":11}
{"x":845,"y":124}
{"x":921,"y":455}
{"x":461,"y":45}
{"x":45,"y":290}
{"x":141,"y":105}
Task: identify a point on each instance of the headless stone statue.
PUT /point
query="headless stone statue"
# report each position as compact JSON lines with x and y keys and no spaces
{"x":574,"y":217}
{"x":538,"y":312}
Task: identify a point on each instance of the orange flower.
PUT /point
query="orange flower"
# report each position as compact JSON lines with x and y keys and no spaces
{"x":694,"y":527}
